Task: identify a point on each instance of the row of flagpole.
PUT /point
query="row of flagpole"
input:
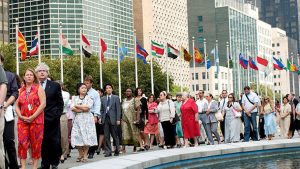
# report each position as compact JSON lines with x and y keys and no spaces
{"x":136,"y":68}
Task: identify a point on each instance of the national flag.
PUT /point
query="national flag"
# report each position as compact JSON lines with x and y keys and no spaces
{"x":103,"y":49}
{"x":208,"y":64}
{"x":243,"y":61}
{"x":123,"y":51}
{"x":277,"y":64}
{"x":172,"y":52}
{"x":187,"y":57}
{"x":86,"y":46}
{"x":141,"y":53}
{"x":198,"y":57}
{"x":22,"y":46}
{"x":262,"y":63}
{"x":34,"y":46}
{"x":252,"y":64}
{"x":291,"y":67}
{"x":157,"y":49}
{"x":65,"y":46}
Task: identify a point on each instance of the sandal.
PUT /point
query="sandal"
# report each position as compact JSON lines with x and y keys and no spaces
{"x":84,"y":160}
{"x":79,"y":159}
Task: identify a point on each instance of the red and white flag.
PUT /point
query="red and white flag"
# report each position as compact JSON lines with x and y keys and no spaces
{"x":103,"y":49}
{"x":262,"y":63}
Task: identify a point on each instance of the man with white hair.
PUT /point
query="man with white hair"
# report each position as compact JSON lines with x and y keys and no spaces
{"x":51,"y":146}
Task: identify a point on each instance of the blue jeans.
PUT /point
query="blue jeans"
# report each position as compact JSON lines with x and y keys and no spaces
{"x":248,"y":122}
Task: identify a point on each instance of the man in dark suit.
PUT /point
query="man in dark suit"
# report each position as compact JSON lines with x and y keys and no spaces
{"x":110,"y":117}
{"x":51,"y":149}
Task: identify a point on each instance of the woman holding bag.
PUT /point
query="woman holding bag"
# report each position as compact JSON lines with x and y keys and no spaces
{"x":233,"y":112}
{"x":268,"y":110}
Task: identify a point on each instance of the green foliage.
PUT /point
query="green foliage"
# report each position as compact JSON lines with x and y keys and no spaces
{"x":177,"y":89}
{"x":91,"y":67}
{"x":265,"y":90}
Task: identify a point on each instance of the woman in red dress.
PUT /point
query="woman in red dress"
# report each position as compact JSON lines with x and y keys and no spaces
{"x":151,"y":127}
{"x":189,"y":119}
{"x":30,"y":109}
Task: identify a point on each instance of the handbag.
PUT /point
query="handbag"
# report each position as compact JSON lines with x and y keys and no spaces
{"x":219,"y":115}
{"x":236,"y":114}
{"x":176,"y":118}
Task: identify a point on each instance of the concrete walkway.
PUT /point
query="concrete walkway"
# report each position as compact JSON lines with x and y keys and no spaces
{"x":157,"y":157}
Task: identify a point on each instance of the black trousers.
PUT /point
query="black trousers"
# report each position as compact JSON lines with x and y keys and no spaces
{"x":51,"y":146}
{"x":222,"y":126}
{"x":110,"y":130}
{"x":261,"y":127}
{"x":169,"y":134}
{"x":11,"y":161}
{"x":93,"y":149}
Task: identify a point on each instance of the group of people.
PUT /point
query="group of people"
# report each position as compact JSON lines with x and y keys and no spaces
{"x":51,"y":121}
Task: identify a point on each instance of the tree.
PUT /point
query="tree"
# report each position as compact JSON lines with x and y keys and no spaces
{"x":91,"y":67}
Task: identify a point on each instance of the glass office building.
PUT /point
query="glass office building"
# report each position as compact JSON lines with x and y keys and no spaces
{"x":111,"y":18}
{"x":226,"y":21}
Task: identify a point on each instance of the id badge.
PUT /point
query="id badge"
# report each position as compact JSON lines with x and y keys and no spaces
{"x":29,"y":107}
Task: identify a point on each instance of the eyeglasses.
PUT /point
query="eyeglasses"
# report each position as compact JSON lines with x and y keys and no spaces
{"x":230,"y":97}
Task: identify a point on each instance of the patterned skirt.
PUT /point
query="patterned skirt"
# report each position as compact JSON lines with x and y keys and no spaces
{"x":83,"y":130}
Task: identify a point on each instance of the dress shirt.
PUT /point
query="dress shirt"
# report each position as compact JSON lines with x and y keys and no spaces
{"x":95,"y":109}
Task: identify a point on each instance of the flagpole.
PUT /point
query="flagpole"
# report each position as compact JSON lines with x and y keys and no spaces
{"x":298,"y":70}
{"x":216,"y":61}
{"x":135,"y":62}
{"x":151,"y":67}
{"x":293,"y":74}
{"x":100,"y":58}
{"x":81,"y":56}
{"x":39,"y":41}
{"x":61,"y":54}
{"x":167,"y":60}
{"x":119,"y":67}
{"x":17,"y":51}
{"x":205,"y":65}
{"x":194,"y":76}
{"x":228,"y":76}
{"x":248,"y":71}
{"x":239,"y":73}
{"x":257,"y":80}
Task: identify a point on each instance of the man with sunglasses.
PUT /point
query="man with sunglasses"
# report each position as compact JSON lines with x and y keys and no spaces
{"x":250,"y":105}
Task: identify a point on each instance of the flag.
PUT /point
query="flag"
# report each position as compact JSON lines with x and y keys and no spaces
{"x":252,"y":64}
{"x":208,"y":64}
{"x":277,"y":64}
{"x":123,"y":51}
{"x":22,"y":46}
{"x":198,"y":56}
{"x":157,"y":49}
{"x":187,"y":57}
{"x":262,"y":63}
{"x":103,"y":49}
{"x":65,"y":46}
{"x":34,"y":46}
{"x":141,"y":53}
{"x":216,"y":61}
{"x":243,"y":61}
{"x":291,"y":67}
{"x":172,"y":52}
{"x":86,"y":46}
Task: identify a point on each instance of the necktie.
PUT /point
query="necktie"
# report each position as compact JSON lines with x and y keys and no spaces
{"x":42,"y":84}
{"x":108,"y":101}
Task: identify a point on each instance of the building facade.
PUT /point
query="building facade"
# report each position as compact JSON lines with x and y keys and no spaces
{"x":164,"y":21}
{"x":215,"y":82}
{"x":230,"y":21}
{"x":280,"y":51}
{"x":4,"y":38}
{"x":264,"y":42}
{"x":110,"y":18}
{"x":283,"y":14}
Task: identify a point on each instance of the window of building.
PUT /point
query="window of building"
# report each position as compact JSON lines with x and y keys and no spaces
{"x":273,"y":53}
{"x":275,"y":84}
{"x":193,"y":87}
{"x":204,"y":87}
{"x":278,"y":83}
{"x":274,"y":76}
{"x":278,"y":44}
{"x":216,"y":75}
{"x":203,"y":75}
{"x":200,"y":18}
{"x":200,"y":39}
{"x":278,"y":52}
{"x":225,"y":75}
{"x":197,"y":87}
{"x":278,"y":76}
{"x":200,"y":29}
{"x":273,"y":45}
{"x":216,"y":86}
{"x":193,"y":76}
{"x":197,"y":76}
{"x":222,"y":75}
